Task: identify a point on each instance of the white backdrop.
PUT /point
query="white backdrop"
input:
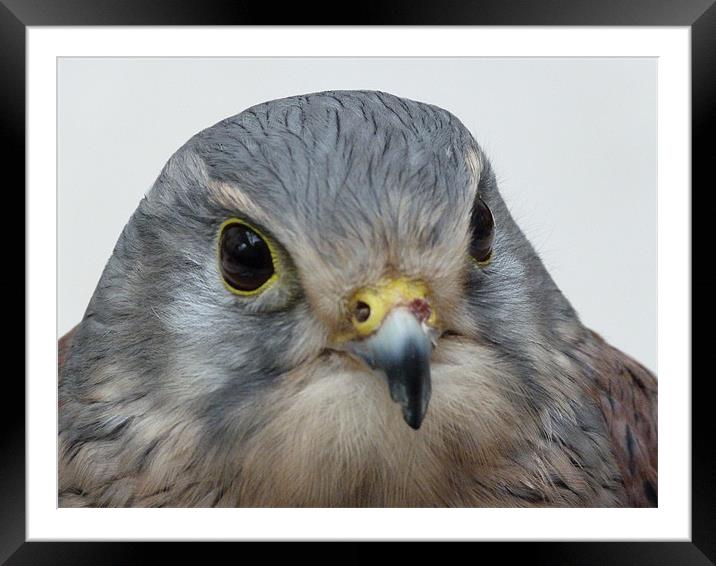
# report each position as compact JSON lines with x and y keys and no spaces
{"x":572,"y":140}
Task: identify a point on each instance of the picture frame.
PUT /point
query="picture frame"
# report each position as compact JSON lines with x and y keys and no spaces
{"x":699,"y":16}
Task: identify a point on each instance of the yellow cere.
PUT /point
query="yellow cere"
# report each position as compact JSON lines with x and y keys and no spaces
{"x":382,"y":297}
{"x":274,"y":258}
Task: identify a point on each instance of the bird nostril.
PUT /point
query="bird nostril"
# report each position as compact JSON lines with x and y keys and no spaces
{"x":361,"y":312}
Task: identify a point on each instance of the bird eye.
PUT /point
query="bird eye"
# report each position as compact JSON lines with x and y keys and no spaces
{"x":245,"y":258}
{"x":483,"y":232}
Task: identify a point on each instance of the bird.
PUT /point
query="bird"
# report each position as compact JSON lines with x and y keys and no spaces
{"x":324,"y":301}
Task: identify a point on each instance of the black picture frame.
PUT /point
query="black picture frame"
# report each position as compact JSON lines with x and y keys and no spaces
{"x":17,"y":15}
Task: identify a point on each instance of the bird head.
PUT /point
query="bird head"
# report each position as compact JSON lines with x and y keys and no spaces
{"x":327,"y":266}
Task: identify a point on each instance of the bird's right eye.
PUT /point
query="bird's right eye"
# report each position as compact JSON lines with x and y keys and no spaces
{"x":245,"y":258}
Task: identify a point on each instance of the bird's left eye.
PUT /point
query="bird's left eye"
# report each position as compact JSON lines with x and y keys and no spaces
{"x":245,"y":258}
{"x":483,"y":232}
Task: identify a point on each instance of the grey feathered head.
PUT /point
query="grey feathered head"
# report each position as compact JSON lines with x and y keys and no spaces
{"x":295,"y":268}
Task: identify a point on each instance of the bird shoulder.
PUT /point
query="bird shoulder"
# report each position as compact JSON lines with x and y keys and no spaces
{"x":626,"y":393}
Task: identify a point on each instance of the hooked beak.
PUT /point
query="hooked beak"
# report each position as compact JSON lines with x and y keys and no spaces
{"x":398,"y":343}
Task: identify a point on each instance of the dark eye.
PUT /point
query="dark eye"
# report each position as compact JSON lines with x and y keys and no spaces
{"x":483,"y":232}
{"x":245,"y":258}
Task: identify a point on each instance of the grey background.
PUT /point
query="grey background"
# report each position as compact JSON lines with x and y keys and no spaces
{"x":572,"y":140}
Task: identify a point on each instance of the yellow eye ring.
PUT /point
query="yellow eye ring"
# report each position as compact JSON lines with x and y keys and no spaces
{"x":257,"y":239}
{"x":485,"y":262}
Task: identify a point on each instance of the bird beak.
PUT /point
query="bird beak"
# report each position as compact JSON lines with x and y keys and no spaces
{"x":395,"y":331}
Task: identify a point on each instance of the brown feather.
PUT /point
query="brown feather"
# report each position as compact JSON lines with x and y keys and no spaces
{"x":626,"y":393}
{"x":330,"y":436}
